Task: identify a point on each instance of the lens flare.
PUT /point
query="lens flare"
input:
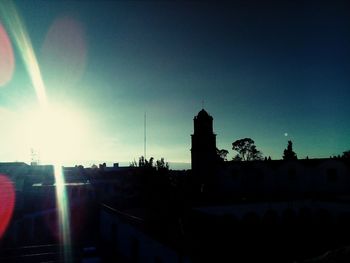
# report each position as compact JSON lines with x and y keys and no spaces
{"x":63,"y":51}
{"x":7,"y":202}
{"x":63,"y":215}
{"x":22,"y":40}
{"x":7,"y":62}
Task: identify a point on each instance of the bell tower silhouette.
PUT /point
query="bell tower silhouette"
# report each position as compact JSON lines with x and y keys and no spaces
{"x":203,"y":151}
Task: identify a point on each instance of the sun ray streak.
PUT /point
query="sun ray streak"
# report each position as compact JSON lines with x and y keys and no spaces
{"x":62,"y":201}
{"x":18,"y":32}
{"x":17,"y":29}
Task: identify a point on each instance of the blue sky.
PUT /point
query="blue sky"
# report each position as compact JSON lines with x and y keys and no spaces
{"x":262,"y":70}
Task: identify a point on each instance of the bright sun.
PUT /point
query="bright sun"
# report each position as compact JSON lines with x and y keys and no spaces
{"x":56,"y":134}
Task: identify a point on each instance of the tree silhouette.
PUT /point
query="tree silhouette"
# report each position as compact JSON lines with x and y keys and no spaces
{"x":289,"y":154}
{"x":162,"y":165}
{"x":144,"y":163}
{"x":222,"y":154}
{"x":346,"y":155}
{"x":133,"y":164}
{"x":237,"y":158}
{"x":246,"y":150}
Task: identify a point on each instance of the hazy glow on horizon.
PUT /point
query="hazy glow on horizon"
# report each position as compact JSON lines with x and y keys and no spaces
{"x":55,"y":134}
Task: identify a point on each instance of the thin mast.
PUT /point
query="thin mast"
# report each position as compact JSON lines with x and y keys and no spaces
{"x":144,"y":138}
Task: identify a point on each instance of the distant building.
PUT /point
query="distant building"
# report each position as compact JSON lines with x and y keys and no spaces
{"x":267,"y":179}
{"x":203,"y":151}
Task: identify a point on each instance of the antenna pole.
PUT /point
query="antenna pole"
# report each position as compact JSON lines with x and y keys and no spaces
{"x":144,"y":139}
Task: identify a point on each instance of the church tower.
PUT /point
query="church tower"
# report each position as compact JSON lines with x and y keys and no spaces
{"x":203,"y":151}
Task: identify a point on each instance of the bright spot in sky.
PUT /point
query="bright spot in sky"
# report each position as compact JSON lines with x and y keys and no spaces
{"x":286,"y":134}
{"x":7,"y":62}
{"x":56,"y":134}
{"x":7,"y":202}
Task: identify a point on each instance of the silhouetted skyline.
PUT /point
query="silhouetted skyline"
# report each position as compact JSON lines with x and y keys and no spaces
{"x":272,"y":72}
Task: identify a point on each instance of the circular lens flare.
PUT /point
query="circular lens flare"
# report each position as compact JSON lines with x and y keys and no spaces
{"x":7,"y":202}
{"x":64,"y":51}
{"x":7,"y":61}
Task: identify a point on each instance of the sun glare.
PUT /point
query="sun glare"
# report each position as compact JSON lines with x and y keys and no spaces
{"x":55,"y":134}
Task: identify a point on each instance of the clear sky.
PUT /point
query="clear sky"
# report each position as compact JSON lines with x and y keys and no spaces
{"x":269,"y":70}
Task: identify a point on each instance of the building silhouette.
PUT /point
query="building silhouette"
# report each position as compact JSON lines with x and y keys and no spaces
{"x":203,"y":151}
